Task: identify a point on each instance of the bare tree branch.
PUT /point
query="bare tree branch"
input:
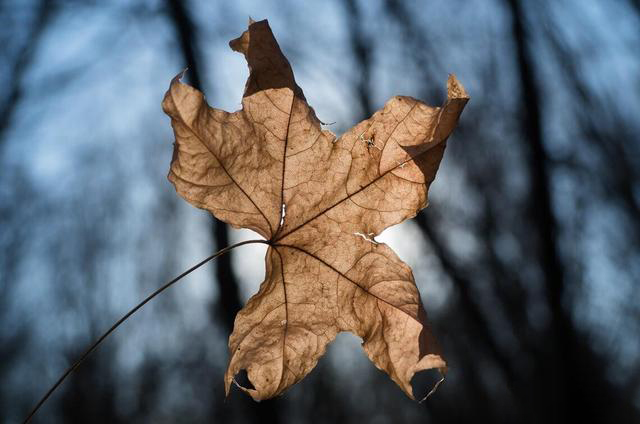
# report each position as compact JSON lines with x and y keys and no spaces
{"x":18,"y":69}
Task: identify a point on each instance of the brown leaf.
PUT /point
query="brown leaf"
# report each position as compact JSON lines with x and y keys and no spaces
{"x":319,"y":202}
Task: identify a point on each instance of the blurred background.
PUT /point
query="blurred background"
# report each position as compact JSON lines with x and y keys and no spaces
{"x":528,"y":259}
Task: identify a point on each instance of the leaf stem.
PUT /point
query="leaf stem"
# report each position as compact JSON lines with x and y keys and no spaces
{"x":126,"y":316}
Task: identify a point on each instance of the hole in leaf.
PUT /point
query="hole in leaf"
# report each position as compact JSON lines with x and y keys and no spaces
{"x":242,"y":378}
{"x":424,"y":382}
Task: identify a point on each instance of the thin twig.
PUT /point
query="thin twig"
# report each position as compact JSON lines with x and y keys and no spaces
{"x":125,"y":317}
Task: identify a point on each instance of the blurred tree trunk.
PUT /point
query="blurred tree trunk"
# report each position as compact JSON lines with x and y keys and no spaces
{"x":572,"y":375}
{"x":228,"y":302}
{"x":559,"y":369}
{"x":361,"y":48}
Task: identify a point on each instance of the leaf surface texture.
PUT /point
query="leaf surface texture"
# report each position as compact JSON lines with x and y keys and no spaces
{"x":319,"y":202}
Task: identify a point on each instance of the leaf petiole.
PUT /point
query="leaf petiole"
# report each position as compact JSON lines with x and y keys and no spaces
{"x":126,"y":316}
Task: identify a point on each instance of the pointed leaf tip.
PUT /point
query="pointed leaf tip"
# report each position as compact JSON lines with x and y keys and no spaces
{"x":455,"y":90}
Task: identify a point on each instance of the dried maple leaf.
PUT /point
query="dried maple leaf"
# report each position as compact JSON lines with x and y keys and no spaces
{"x":319,"y":202}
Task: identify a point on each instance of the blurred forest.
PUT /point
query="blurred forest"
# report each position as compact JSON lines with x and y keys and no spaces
{"x":528,"y":258}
